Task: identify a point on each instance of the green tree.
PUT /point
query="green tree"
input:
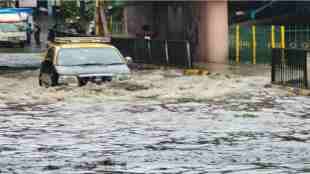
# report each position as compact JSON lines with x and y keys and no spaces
{"x":89,"y":13}
{"x":70,"y":10}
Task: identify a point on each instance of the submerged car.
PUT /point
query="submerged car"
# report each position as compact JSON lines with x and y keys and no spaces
{"x":77,"y":61}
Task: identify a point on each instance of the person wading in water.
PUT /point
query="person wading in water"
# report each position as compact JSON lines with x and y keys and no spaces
{"x":37,"y":32}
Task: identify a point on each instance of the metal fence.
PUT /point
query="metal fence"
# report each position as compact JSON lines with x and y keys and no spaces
{"x":297,"y":36}
{"x":159,"y":52}
{"x":254,"y":43}
{"x":289,"y":67}
{"x":117,"y":28}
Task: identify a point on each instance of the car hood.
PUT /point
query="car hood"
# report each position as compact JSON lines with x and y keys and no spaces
{"x":108,"y":70}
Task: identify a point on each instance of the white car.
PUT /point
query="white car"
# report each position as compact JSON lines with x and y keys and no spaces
{"x":13,"y":33}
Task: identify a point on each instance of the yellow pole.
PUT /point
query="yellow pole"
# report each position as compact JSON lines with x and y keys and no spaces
{"x":273,"y":42}
{"x":254,"y":43}
{"x":282,"y":36}
{"x":283,"y":43}
{"x":111,"y":24}
{"x":237,"y":44}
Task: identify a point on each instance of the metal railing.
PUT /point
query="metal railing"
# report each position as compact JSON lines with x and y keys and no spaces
{"x":289,"y":67}
{"x":253,"y":44}
{"x":117,"y":28}
{"x":158,"y":52}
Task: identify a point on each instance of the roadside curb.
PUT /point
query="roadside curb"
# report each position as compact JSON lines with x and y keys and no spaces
{"x":199,"y":72}
{"x":185,"y":71}
{"x":293,"y":90}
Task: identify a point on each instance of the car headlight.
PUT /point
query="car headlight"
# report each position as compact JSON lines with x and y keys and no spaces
{"x":121,"y":77}
{"x":68,"y":80}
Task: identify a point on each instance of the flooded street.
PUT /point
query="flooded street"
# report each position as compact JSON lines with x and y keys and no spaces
{"x":159,"y":121}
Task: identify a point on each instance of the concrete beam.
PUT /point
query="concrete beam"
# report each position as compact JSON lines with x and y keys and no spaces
{"x":213,"y":32}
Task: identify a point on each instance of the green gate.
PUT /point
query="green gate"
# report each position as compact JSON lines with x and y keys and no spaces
{"x":263,"y":44}
{"x":232,"y":44}
{"x":253,"y":44}
{"x":246,"y":45}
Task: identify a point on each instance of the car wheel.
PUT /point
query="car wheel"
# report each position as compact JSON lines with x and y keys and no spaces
{"x":40,"y":81}
{"x":22,"y":44}
{"x":82,"y":82}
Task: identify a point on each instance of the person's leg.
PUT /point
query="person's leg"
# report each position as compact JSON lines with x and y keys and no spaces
{"x":36,"y":37}
{"x":28,"y":38}
{"x":39,"y":41}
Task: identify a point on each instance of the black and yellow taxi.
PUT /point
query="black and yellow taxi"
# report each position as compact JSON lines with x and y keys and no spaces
{"x":77,"y":61}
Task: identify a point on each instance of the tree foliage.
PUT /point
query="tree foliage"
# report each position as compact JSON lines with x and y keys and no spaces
{"x":70,"y":10}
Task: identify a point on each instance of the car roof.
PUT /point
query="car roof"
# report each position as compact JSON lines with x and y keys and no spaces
{"x":81,"y":45}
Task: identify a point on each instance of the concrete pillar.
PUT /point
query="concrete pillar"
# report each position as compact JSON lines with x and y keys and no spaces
{"x":213,"y":32}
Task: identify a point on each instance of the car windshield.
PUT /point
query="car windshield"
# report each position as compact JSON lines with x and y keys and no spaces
{"x":10,"y":27}
{"x":89,"y":56}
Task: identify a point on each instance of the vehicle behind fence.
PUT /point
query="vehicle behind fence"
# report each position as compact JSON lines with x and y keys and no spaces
{"x":159,"y":52}
{"x":289,"y":67}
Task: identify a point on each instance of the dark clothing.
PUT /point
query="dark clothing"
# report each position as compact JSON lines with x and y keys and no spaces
{"x":28,"y":37}
{"x":51,"y":35}
{"x":28,"y":31}
{"x":37,"y":33}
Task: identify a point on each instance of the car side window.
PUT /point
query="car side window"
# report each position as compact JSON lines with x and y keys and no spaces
{"x":50,"y":54}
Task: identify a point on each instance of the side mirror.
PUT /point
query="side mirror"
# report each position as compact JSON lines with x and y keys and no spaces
{"x":128,"y":59}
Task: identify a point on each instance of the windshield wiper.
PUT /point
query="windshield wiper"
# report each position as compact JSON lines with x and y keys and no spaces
{"x":116,"y":63}
{"x":93,"y":64}
{"x":87,"y":64}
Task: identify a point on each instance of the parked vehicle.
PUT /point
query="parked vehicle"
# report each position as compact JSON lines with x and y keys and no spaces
{"x":77,"y":61}
{"x":13,"y":25}
{"x":13,"y":33}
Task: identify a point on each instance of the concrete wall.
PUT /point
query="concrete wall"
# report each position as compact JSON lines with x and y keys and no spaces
{"x":136,"y":17}
{"x":169,"y":21}
{"x":161,"y":21}
{"x":176,"y":22}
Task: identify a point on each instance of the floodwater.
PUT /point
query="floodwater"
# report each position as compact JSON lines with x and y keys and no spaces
{"x":157,"y":122}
